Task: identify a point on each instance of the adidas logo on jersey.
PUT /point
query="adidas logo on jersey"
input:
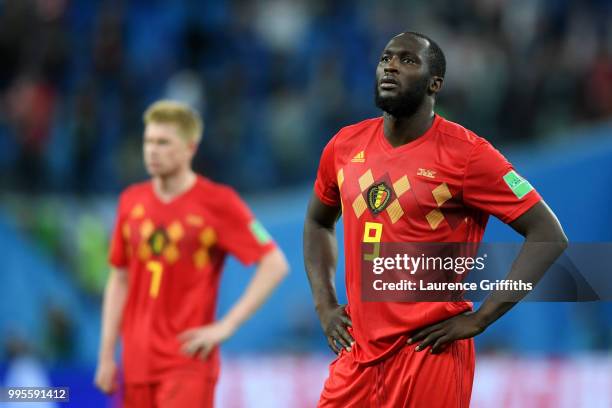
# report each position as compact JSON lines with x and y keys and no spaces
{"x":359,"y":157}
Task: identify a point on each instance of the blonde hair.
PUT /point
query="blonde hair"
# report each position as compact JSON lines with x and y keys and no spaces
{"x":187,"y":119}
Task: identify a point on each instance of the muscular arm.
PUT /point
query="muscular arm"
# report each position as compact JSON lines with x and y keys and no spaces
{"x":321,"y":251}
{"x":115,"y":295}
{"x":271,"y":270}
{"x":320,"y":258}
{"x":538,"y":225}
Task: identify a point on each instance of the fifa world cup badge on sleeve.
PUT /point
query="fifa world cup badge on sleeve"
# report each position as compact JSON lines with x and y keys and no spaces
{"x":519,"y":186}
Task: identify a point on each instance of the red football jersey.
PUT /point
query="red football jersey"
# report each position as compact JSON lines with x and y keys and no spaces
{"x":174,"y":254}
{"x":441,"y":187}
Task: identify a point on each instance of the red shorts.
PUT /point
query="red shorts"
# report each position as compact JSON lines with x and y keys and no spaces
{"x":178,"y":391}
{"x":406,"y":379}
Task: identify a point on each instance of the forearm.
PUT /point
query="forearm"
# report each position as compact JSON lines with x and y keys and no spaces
{"x":320,"y":258}
{"x":270,"y":272}
{"x":537,"y":254}
{"x":115,"y":295}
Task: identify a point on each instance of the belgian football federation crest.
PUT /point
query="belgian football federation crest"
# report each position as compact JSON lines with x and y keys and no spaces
{"x":158,"y":241}
{"x":378,"y":197}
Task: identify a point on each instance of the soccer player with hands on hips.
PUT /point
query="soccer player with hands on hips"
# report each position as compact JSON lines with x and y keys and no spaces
{"x":171,"y":238}
{"x":440,"y":182}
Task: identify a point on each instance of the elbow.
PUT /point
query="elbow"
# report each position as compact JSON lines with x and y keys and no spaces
{"x":563,"y":241}
{"x":554,"y":239}
{"x":559,"y":238}
{"x":558,"y":243}
{"x":277,"y":264}
{"x":283,"y":267}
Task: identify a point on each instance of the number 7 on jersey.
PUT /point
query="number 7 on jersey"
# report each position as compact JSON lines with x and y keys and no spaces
{"x":156,"y":268}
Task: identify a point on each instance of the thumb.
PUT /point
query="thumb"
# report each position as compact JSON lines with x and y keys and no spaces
{"x":205,"y":351}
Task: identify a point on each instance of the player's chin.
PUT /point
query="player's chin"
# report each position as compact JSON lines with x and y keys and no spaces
{"x":156,"y":171}
{"x":389,"y":98}
{"x":388,"y":102}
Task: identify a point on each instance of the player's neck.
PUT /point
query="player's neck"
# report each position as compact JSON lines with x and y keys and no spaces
{"x":171,"y":186}
{"x":401,"y":130}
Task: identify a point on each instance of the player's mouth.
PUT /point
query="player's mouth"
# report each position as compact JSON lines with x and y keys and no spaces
{"x":388,"y":83}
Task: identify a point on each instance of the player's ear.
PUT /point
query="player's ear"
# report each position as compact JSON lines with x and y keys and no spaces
{"x":435,"y":84}
{"x":193,"y":147}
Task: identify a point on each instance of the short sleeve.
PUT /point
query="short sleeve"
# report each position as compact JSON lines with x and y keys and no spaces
{"x":492,"y":185}
{"x":326,"y":184}
{"x":240,"y":233}
{"x":117,"y":254}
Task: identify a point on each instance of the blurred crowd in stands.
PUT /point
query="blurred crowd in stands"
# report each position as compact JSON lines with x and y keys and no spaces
{"x":274,"y":79}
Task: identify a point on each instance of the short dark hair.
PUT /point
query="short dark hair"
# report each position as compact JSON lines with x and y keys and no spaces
{"x":435,"y":56}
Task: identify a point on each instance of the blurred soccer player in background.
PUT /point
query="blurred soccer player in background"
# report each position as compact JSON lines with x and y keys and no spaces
{"x":440,"y":182}
{"x":171,"y":238}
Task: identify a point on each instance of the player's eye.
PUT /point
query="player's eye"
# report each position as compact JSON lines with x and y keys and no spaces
{"x":408,"y":60}
{"x":385,"y":58}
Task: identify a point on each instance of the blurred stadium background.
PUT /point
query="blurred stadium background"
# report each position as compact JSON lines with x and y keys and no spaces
{"x":274,"y":80}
